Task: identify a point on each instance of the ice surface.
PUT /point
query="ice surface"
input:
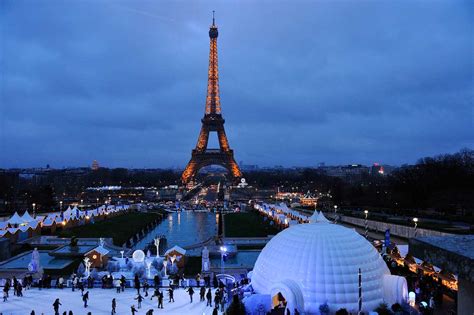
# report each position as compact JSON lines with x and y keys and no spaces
{"x":100,"y":302}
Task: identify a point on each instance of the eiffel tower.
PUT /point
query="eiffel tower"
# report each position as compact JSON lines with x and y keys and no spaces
{"x":212,"y":122}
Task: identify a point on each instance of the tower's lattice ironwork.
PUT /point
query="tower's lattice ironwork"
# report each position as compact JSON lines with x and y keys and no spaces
{"x":212,"y":122}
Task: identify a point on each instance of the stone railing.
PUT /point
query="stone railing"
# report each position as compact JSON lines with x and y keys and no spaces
{"x":395,"y":229}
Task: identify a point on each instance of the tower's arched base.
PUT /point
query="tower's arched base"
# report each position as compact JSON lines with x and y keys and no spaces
{"x":210,"y":157}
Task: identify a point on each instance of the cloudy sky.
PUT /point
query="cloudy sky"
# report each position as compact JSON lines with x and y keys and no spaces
{"x":301,"y":82}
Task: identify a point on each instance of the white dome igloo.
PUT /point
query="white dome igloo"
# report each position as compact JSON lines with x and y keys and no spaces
{"x":318,"y":262}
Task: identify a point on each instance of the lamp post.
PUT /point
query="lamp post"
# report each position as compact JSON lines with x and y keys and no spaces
{"x":157,"y":244}
{"x":366,"y":224}
{"x":223,"y":251}
{"x":335,"y":214}
{"x":165,"y":263}
{"x":360,"y":293}
{"x":34,"y":210}
{"x":97,"y":202}
{"x":415,"y":220}
{"x":61,"y":205}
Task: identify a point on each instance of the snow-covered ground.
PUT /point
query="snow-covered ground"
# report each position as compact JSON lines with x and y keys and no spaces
{"x":100,"y":302}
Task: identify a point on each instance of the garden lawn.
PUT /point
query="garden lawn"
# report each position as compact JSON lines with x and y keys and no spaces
{"x":121,"y":228}
{"x":247,"y":224}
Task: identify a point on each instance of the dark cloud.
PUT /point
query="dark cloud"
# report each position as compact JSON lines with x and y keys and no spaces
{"x":302,"y":82}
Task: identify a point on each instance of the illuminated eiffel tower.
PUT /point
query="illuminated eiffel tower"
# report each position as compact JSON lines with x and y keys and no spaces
{"x":212,"y":122}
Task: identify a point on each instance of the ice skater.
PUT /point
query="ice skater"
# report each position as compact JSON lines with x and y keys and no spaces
{"x":133,"y":309}
{"x":202,"y":294}
{"x":160,"y":300}
{"x":139,"y":298}
{"x":209,"y":297}
{"x":114,"y":305}
{"x":171,"y":294}
{"x":191,"y":292}
{"x":85,"y":298}
{"x":56,"y":306}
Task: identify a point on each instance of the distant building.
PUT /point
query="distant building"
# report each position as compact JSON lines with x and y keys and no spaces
{"x":95,"y":165}
{"x":351,"y":173}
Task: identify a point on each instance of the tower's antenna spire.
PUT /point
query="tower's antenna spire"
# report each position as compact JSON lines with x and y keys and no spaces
{"x":213,"y":21}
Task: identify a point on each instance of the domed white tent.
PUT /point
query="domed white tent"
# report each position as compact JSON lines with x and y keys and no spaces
{"x":316,"y":263}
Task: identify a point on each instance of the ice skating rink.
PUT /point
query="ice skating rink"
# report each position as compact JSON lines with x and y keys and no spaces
{"x":100,"y":302}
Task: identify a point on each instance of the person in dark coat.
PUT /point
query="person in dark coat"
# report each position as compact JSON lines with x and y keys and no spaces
{"x":139,"y":298}
{"x":122,"y":282}
{"x":114,"y":305}
{"x":149,"y":312}
{"x":214,"y":311}
{"x":209,"y":297}
{"x":85,"y":298}
{"x":133,"y":309}
{"x":202,"y":294}
{"x":171,"y":295}
{"x":137,"y":284}
{"x":160,"y":300}
{"x":191,"y":292}
{"x":145,"y":288}
{"x":56,"y":306}
{"x":70,"y":313}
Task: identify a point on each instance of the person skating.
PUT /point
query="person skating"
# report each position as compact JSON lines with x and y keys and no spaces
{"x":214,"y":311}
{"x":122,"y":282}
{"x":191,"y":292}
{"x":117,"y":285}
{"x":217,"y":297}
{"x":171,"y":295}
{"x":149,"y":312}
{"x":133,"y":309}
{"x":80,"y":285}
{"x":209,"y":297}
{"x":114,"y":305}
{"x":160,"y":300}
{"x":5,"y":296}
{"x":202,"y":294}
{"x":19,"y":290}
{"x":145,"y":288}
{"x":139,"y":298}
{"x":70,"y":313}
{"x":56,"y":306}
{"x":61,"y":282}
{"x":85,"y":298}
{"x":223,"y":300}
{"x":137,"y":284}
{"x":198,"y":280}
{"x":6,"y":288}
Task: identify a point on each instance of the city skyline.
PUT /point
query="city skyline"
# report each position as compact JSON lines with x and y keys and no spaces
{"x":125,"y":83}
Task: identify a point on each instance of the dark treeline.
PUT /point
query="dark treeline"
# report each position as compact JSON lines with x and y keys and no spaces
{"x":443,"y":184}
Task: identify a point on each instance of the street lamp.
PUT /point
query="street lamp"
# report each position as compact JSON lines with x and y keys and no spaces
{"x":61,"y":205}
{"x":223,"y":251}
{"x":34,"y":210}
{"x":335,"y":214}
{"x":415,"y":220}
{"x":366,"y":224}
